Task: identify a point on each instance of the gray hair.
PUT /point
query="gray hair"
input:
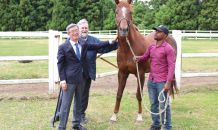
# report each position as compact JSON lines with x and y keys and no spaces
{"x":70,"y":26}
{"x":82,"y":21}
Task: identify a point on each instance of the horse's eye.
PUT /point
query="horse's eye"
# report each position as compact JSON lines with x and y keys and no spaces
{"x":130,"y":13}
{"x":116,"y":12}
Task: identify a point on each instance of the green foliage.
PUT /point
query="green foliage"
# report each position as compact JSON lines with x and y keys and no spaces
{"x":152,"y":9}
{"x":139,"y":14}
{"x":43,"y":12}
{"x":42,"y":15}
{"x":208,"y":18}
{"x":8,"y":14}
{"x":109,"y":23}
{"x":91,"y":10}
{"x":27,"y":22}
{"x":108,"y":14}
{"x":179,"y":14}
{"x":63,"y":14}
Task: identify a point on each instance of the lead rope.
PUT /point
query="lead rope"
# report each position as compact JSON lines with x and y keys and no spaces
{"x":162,"y":92}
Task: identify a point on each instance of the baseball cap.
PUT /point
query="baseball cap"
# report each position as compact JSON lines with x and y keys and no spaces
{"x":162,"y":28}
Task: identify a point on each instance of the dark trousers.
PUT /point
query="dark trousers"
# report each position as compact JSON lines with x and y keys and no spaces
{"x":85,"y":97}
{"x":67,"y":97}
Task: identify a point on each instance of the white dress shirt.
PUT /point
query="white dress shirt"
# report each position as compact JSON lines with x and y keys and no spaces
{"x":74,"y":46}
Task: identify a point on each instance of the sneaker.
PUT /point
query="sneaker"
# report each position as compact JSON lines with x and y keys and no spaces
{"x":155,"y":128}
{"x":83,"y":120}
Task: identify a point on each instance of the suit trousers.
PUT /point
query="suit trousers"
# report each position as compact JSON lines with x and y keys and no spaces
{"x":85,"y":97}
{"x":72,"y":89}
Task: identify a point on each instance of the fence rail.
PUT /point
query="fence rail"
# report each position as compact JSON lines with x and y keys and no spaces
{"x":190,"y":34}
{"x":11,"y":58}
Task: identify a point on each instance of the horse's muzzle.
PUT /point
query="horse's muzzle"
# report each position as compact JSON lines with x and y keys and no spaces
{"x":124,"y":31}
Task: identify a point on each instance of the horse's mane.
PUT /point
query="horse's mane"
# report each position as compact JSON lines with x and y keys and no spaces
{"x":136,"y":28}
{"x":124,"y":3}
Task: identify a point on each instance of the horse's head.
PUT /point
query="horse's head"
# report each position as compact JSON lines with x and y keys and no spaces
{"x":123,"y":16}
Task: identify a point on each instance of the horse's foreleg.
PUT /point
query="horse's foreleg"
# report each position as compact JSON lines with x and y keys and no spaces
{"x":122,"y":77}
{"x":138,"y":96}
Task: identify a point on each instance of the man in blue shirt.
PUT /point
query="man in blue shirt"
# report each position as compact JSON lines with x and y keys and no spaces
{"x":91,"y":64}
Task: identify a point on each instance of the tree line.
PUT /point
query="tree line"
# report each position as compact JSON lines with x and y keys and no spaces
{"x":42,"y":15}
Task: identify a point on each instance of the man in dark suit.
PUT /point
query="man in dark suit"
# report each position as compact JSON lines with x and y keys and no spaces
{"x":73,"y":73}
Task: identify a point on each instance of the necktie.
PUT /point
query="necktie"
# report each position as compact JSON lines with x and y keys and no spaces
{"x":77,"y":51}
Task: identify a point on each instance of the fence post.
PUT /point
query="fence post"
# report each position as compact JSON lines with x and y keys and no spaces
{"x":178,"y":36}
{"x":210,"y":33}
{"x":53,"y":47}
{"x":196,"y":31}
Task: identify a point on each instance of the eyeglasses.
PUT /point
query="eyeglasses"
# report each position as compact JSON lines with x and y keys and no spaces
{"x":74,"y":31}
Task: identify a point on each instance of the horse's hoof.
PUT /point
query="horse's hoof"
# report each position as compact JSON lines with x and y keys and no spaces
{"x":112,"y":121}
{"x":139,"y":121}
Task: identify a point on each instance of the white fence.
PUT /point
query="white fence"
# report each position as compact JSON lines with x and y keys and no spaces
{"x":145,"y":32}
{"x":177,"y":34}
{"x":55,"y":38}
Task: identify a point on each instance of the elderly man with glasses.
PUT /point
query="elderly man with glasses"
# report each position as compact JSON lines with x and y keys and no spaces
{"x":73,"y":72}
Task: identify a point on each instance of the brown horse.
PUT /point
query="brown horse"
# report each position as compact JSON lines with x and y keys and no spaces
{"x":139,"y":44}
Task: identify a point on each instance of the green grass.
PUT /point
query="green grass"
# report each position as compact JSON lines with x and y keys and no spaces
{"x":39,"y":47}
{"x":194,"y":109}
{"x":200,"y":46}
{"x":16,"y":70}
{"x":200,"y":64}
{"x":24,"y":47}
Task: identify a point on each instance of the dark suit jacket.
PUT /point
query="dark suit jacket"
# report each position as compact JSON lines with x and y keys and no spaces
{"x":70,"y":68}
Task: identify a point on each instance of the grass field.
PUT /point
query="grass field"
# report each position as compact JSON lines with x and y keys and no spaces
{"x":194,"y":109}
{"x":39,"y":47}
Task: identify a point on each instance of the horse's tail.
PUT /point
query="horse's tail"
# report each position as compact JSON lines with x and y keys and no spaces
{"x":174,"y":87}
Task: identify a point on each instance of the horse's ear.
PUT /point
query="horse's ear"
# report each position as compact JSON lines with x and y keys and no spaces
{"x":117,"y":2}
{"x":129,"y":1}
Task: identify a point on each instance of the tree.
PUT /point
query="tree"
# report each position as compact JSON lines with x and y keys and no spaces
{"x":153,"y":9}
{"x":107,"y":6}
{"x":109,"y":22}
{"x":208,"y":18}
{"x":43,"y":13}
{"x":63,"y":14}
{"x":139,"y":14}
{"x":8,"y":14}
{"x":179,"y":14}
{"x":91,"y":10}
{"x":25,"y":16}
{"x":3,"y":13}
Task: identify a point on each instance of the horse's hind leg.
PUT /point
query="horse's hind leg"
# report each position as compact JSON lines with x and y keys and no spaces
{"x":122,"y":77}
{"x":139,"y":98}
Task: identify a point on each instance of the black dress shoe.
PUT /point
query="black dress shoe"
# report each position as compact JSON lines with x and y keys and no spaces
{"x":155,"y":128}
{"x":79,"y":128}
{"x":83,"y":120}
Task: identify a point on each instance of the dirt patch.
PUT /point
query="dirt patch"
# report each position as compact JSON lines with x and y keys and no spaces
{"x":105,"y":83}
{"x":24,"y":88}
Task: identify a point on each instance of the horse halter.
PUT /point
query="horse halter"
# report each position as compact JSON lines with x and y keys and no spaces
{"x":118,"y":24}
